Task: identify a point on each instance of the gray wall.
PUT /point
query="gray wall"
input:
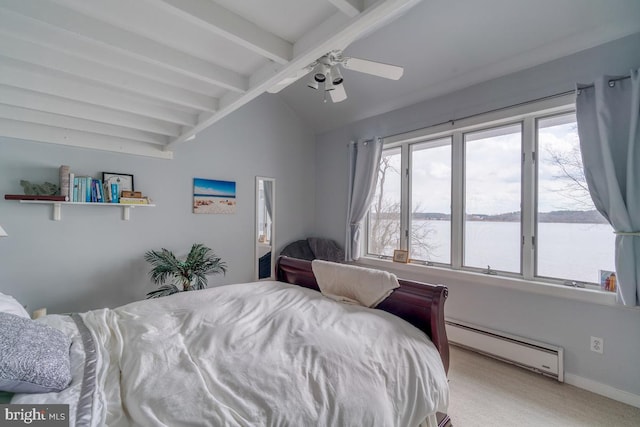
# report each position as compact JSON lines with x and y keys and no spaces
{"x":563,"y":322}
{"x":93,"y":259}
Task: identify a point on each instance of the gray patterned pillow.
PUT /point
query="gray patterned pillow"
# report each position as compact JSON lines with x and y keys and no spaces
{"x":34,"y":358}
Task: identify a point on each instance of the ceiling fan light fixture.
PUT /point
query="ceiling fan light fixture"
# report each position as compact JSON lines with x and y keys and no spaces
{"x":335,"y":75}
{"x":328,"y":85}
{"x":320,"y":73}
{"x":312,"y":83}
{"x":326,"y":70}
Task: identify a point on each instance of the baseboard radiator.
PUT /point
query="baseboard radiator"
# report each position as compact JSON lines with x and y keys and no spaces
{"x":539,"y":357}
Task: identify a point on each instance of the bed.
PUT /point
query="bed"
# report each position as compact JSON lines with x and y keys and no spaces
{"x":272,"y":353}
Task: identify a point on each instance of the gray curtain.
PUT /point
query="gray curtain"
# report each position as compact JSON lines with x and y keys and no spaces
{"x":364,"y":161}
{"x":608,"y":124}
{"x":268,"y":196}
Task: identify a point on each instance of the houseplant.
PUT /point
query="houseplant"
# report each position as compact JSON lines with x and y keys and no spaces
{"x":188,"y":275}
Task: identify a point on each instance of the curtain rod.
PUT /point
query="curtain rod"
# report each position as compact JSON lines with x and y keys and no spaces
{"x":364,"y":140}
{"x":531,"y":101}
{"x":611,"y":80}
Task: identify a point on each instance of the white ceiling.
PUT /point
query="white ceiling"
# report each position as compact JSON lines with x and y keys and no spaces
{"x":446,"y":45}
{"x":143,"y":76}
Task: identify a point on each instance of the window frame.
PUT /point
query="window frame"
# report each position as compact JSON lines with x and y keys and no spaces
{"x":365,"y":238}
{"x":528,"y":115}
{"x":430,"y":143}
{"x":463,"y":172}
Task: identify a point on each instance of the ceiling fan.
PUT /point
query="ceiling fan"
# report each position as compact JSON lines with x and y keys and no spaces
{"x":325,"y":71}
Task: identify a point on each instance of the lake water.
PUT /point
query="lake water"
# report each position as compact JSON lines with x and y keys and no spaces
{"x":567,"y":251}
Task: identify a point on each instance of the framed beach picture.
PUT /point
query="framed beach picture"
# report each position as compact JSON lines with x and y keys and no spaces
{"x":214,"y":197}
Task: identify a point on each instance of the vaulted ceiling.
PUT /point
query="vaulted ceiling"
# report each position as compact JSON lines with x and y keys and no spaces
{"x":144,"y":76}
{"x":448,"y":45}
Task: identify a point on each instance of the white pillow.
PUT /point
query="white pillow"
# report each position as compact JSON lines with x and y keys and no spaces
{"x":9,"y":304}
{"x":353,"y":284}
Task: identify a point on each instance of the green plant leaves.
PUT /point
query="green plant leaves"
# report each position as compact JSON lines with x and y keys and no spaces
{"x":186,"y":275}
{"x":162,"y":291}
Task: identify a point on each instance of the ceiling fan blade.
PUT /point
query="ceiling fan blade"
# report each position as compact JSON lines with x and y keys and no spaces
{"x":289,"y":80}
{"x":338,"y":94}
{"x":379,"y":69}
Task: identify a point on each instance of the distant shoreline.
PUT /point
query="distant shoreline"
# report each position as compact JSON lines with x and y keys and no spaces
{"x":568,"y":217}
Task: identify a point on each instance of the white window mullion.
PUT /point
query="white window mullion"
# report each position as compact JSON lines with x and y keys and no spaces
{"x":528,"y":197}
{"x":457,"y":198}
{"x":405,"y":202}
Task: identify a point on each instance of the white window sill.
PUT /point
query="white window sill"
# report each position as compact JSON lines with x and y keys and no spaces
{"x":432,"y":274}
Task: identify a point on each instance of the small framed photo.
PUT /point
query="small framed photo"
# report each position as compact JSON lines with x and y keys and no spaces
{"x":608,"y":280}
{"x":400,"y":256}
{"x":124,"y":181}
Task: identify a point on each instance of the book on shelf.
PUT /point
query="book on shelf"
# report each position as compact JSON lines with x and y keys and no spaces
{"x":35,"y":197}
{"x":125,"y":193}
{"x":72,"y":182}
{"x":134,"y":201}
{"x":97,"y":186}
{"x":88,"y":181}
{"x":76,"y":185}
{"x":81,"y":190}
{"x":94,"y":194}
{"x":97,"y":194}
{"x":111,"y":192}
{"x":107,"y":192}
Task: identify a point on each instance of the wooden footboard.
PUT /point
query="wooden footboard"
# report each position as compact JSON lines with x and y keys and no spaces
{"x":420,"y":304}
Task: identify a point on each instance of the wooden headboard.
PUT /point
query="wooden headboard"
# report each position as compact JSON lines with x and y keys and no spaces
{"x":420,"y":304}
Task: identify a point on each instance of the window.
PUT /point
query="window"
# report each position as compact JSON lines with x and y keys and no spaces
{"x":492,"y":193}
{"x":573,"y":238}
{"x":502,"y":193}
{"x":430,"y":236}
{"x":384,"y":215}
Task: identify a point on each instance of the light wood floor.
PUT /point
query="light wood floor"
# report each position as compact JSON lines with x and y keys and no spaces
{"x":487,"y":392}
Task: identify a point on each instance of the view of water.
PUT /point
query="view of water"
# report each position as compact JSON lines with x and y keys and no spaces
{"x":575,"y":251}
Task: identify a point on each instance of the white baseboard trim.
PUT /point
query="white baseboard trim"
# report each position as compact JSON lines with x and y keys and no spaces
{"x":603,"y":389}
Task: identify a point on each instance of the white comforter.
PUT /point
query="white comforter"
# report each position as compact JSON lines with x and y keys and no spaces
{"x":260,"y":354}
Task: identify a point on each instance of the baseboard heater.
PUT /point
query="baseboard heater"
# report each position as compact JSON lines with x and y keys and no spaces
{"x":539,"y":357}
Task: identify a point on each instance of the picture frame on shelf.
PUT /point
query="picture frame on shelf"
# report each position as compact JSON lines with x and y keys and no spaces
{"x":400,"y":255}
{"x":124,"y":181}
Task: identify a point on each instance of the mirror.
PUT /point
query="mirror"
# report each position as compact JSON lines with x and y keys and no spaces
{"x":265,"y":214}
